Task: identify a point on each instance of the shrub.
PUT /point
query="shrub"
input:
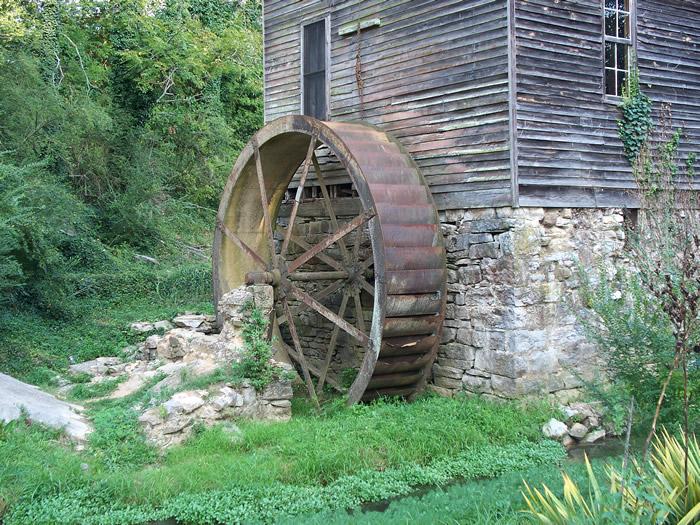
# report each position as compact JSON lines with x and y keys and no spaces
{"x":655,"y":493}
{"x":256,"y":364}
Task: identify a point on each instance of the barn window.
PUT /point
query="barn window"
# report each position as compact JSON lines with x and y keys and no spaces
{"x":618,"y":45}
{"x":314,"y":70}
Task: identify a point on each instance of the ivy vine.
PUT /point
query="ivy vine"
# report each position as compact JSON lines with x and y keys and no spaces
{"x":636,"y":123}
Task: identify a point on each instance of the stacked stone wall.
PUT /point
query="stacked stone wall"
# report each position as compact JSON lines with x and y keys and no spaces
{"x":511,"y":326}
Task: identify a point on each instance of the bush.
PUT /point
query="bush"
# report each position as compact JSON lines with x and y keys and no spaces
{"x":45,"y":236}
{"x":654,"y":493}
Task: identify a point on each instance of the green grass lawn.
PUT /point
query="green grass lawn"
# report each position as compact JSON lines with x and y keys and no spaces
{"x":337,"y":459}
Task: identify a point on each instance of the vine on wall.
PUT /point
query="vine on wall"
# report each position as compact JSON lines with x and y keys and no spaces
{"x":636,"y":123}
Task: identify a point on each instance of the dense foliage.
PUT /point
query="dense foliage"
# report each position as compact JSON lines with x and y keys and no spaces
{"x":119,"y":122}
{"x":635,"y":125}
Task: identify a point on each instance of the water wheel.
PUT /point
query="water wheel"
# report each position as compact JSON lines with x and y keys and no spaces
{"x":375,"y":273}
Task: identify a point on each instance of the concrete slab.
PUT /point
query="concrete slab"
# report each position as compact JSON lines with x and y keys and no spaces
{"x":41,"y":407}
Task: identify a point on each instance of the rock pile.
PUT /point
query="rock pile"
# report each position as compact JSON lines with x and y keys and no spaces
{"x":173,"y":421}
{"x":582,"y":425}
{"x":185,"y":349}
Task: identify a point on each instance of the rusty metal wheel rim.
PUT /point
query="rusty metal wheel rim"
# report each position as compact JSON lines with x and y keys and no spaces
{"x":245,"y":230}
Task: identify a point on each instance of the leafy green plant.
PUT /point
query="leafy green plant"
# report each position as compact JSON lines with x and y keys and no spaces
{"x":83,"y":391}
{"x":636,"y":123}
{"x":117,"y":440}
{"x":256,"y":364}
{"x":656,"y":492}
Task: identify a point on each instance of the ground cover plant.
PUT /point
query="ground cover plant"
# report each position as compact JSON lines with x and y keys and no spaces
{"x":497,"y":501}
{"x":340,"y":458}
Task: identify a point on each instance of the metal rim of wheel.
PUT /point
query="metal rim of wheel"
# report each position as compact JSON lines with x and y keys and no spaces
{"x":408,"y":256}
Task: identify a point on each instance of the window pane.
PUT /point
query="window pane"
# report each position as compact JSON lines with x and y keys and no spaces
{"x":621,"y":56}
{"x":315,"y":47}
{"x":621,"y":79}
{"x":315,"y":95}
{"x":610,"y":82}
{"x":610,"y":4}
{"x":610,"y":23}
{"x":622,"y":5}
{"x":609,"y":54}
{"x":623,"y":25}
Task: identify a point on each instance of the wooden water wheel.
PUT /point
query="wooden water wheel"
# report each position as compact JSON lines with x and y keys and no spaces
{"x":376,"y":274}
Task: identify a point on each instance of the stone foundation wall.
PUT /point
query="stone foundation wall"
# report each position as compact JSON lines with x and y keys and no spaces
{"x":511,"y":328}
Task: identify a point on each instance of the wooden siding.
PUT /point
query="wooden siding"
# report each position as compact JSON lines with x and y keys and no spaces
{"x":435,"y":75}
{"x":568,"y":149}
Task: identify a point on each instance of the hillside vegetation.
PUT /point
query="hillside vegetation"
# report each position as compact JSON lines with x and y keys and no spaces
{"x":119,"y":122}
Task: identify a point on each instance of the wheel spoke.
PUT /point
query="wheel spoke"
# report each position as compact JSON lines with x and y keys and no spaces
{"x":329,"y":207}
{"x":314,"y":370}
{"x":328,"y":290}
{"x":362,"y":281}
{"x":339,"y":234}
{"x":359,"y":314}
{"x":300,"y":191}
{"x":318,"y":276}
{"x":300,"y":353}
{"x":331,"y":316}
{"x":332,"y":344}
{"x":322,"y":256}
{"x":265,"y":203}
{"x":242,"y":245}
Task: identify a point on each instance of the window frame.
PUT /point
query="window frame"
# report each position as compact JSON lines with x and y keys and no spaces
{"x":327,"y":20}
{"x":631,"y":42}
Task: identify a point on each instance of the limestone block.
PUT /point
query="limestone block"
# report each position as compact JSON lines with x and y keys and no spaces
{"x":448,"y":382}
{"x":475,"y":383}
{"x":152,"y":417}
{"x":459,"y":352}
{"x":152,"y":342}
{"x":469,"y":274}
{"x":465,"y":336}
{"x":578,"y":431}
{"x":486,"y":250}
{"x":197,"y":322}
{"x":456,"y":363}
{"x":447,"y":371}
{"x":494,"y":225}
{"x":555,"y":429}
{"x":98,"y":367}
{"x":593,"y":436}
{"x":175,"y":425}
{"x":277,"y":390}
{"x":142,"y":327}
{"x":184,"y":402}
{"x":163,"y":325}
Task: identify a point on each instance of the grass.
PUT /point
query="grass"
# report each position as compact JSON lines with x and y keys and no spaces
{"x":33,"y":347}
{"x":340,"y":458}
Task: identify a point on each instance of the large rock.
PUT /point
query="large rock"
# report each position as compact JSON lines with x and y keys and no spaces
{"x":593,"y":436}
{"x":40,"y":407}
{"x":188,"y":345}
{"x":197,"y":322}
{"x":101,"y":366}
{"x":555,"y":429}
{"x":578,"y":431}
